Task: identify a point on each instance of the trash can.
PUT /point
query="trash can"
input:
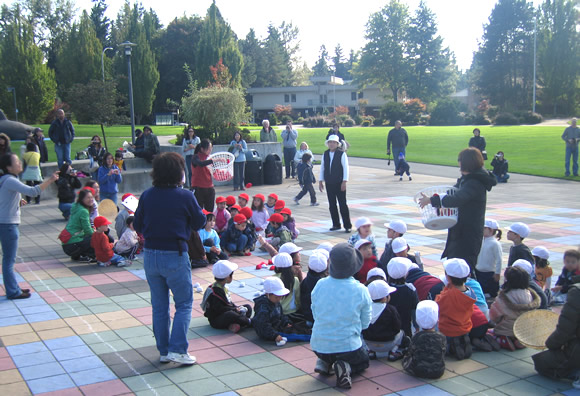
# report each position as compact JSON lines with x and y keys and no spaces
{"x":273,"y":169}
{"x":254,"y":168}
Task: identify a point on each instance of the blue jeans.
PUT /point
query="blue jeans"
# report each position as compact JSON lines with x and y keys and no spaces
{"x":188,"y":169}
{"x":65,"y":209}
{"x":396,"y":151}
{"x":239,"y":174}
{"x":289,"y":154}
{"x":571,"y":152}
{"x":239,"y":245}
{"x":116,"y":259}
{"x":167,"y":270}
{"x":502,"y":179}
{"x":62,"y":151}
{"x":111,"y":196}
{"x":9,"y":234}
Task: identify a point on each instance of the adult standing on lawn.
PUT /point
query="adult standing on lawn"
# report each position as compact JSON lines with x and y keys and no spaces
{"x":334,"y":172}
{"x":62,"y":134}
{"x":166,"y":216}
{"x":571,"y":136}
{"x":289,"y":136}
{"x":399,"y":139}
{"x":478,"y":142}
{"x":39,"y":140}
{"x":267,"y":134}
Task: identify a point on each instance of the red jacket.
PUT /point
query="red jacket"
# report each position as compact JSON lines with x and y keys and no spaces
{"x":368,"y":265}
{"x":103,"y":248}
{"x":455,"y":311}
{"x":200,"y":172}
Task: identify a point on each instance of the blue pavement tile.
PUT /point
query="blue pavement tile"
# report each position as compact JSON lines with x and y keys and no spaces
{"x":41,"y":317}
{"x":230,"y":393}
{"x":424,"y":390}
{"x":82,"y":364}
{"x":8,"y":311}
{"x":33,"y":359}
{"x":558,"y":219}
{"x":41,"y":371}
{"x":25,"y":349}
{"x":571,"y":392}
{"x":15,"y":320}
{"x":573,"y":240}
{"x":66,"y":342}
{"x":72,"y":353}
{"x":100,"y":374}
{"x":139,"y":272}
{"x":575,"y":228}
{"x":18,"y":277}
{"x":36,"y":309}
{"x":50,"y":384}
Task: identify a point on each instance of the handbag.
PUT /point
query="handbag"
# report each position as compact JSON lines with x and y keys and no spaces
{"x":64,"y":236}
{"x":484,"y":154}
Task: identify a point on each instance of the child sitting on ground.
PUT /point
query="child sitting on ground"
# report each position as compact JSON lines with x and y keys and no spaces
{"x":425,"y":357}
{"x":128,"y":244}
{"x":280,"y":204}
{"x":401,"y":249}
{"x":283,"y":270}
{"x":403,"y":167}
{"x":456,"y":308}
{"x":317,"y":269}
{"x":384,"y":337}
{"x":514,"y":299}
{"x":395,"y":229}
{"x":404,"y":298}
{"x":306,"y":180}
{"x":103,"y":248}
{"x":290,"y":223}
{"x":235,"y":240}
{"x":488,"y":268}
{"x":294,"y":252}
{"x":370,"y":260}
{"x":529,"y":269}
{"x":119,"y":161}
{"x":129,"y":205}
{"x":276,"y":232}
{"x":543,"y":272}
{"x":427,"y":285}
{"x":250,"y":230}
{"x":272,"y":198}
{"x":516,"y":233}
{"x":363,"y":227}
{"x":211,"y":240}
{"x":234,"y":210}
{"x":230,"y":201}
{"x":341,"y":308}
{"x":222,"y":216}
{"x":375,"y":274}
{"x":259,"y":214}
{"x":217,"y":303}
{"x":243,"y":199}
{"x":571,"y":269}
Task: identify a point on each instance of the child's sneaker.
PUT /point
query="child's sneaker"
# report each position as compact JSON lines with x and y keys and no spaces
{"x":182,"y":358}
{"x":296,"y":201}
{"x":493,"y":342}
{"x":410,"y":178}
{"x":322,"y":367}
{"x":401,"y":178}
{"x":395,"y":355}
{"x":234,"y":327}
{"x":84,"y":259}
{"x":506,"y":343}
{"x":576,"y":384}
{"x":481,"y":344}
{"x":342,"y":370}
{"x":518,"y":344}
{"x":104,"y":264}
{"x":124,"y":263}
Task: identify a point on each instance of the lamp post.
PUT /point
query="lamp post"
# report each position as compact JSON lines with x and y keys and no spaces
{"x":534,"y":87}
{"x":103,"y":61}
{"x":13,"y":90}
{"x":127,"y":47}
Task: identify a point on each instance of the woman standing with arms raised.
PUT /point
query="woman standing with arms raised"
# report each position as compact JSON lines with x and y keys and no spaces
{"x":166,"y":216}
{"x":238,"y":148}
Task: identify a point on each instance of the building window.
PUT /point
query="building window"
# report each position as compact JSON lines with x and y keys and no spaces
{"x":250,"y":98}
{"x":286,"y":98}
{"x":293,"y":98}
{"x":323,"y":99}
{"x":360,"y":95}
{"x":353,"y":96}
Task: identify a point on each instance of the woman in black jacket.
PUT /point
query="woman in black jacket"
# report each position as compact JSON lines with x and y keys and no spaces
{"x":67,"y":183}
{"x":478,"y":142}
{"x":39,"y":140}
{"x":500,"y":168}
{"x":464,"y":238}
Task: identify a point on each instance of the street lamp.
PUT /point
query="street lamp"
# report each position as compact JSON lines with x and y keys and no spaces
{"x":13,"y":90}
{"x":127,"y":47}
{"x":103,"y":61}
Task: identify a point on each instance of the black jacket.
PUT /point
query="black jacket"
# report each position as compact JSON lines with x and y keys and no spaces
{"x":405,"y":300}
{"x":499,"y":167}
{"x":306,"y":288}
{"x":268,"y":319}
{"x":66,"y":188}
{"x":331,"y":132}
{"x":520,"y":251}
{"x":61,"y":132}
{"x":217,"y":303}
{"x":386,"y":327}
{"x":398,"y":138}
{"x":42,"y":149}
{"x":305,"y":174}
{"x":464,"y":238}
{"x":566,"y":279}
{"x":478,"y":142}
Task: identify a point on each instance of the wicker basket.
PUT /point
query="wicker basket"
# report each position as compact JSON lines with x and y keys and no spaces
{"x":108,"y":209}
{"x":534,"y":327}
{"x":437,"y":218}
{"x":222,"y":168}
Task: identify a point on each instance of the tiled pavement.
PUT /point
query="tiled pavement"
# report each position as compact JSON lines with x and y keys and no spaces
{"x":87,"y":330}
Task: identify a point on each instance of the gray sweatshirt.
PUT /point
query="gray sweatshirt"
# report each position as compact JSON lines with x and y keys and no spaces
{"x":10,"y":190}
{"x":289,"y":138}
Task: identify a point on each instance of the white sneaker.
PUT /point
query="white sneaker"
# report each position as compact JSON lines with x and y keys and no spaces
{"x":164,"y":359}
{"x":182,"y":358}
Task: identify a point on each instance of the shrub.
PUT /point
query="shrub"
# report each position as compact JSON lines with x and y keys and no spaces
{"x":358,"y":119}
{"x":506,"y":119}
{"x":340,"y":119}
{"x":479,"y":119}
{"x":306,"y":123}
{"x":349,"y":122}
{"x":393,"y":111}
{"x":492,"y":111}
{"x":282,"y":110}
{"x":531,"y":118}
{"x":446,"y":112}
{"x":366,"y":123}
{"x":341,"y":110}
{"x":300,"y":120}
{"x":273,"y":118}
{"x":414,"y":108}
{"x":378,"y":122}
{"x":285,"y":118}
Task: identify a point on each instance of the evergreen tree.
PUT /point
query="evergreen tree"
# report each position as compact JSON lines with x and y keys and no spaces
{"x":352,"y":60}
{"x":321,"y":67}
{"x":277,"y":72}
{"x":255,"y":63}
{"x":100,"y":21}
{"x":340,"y":67}
{"x":301,"y":75}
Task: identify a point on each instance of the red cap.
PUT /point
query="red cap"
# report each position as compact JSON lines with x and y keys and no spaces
{"x":276,"y":218}
{"x":92,"y":190}
{"x":239,"y":219}
{"x":125,"y":196}
{"x":249,"y":185}
{"x":205,"y":212}
{"x":273,"y":196}
{"x":260,"y":196}
{"x":280,"y":204}
{"x":236,"y":207}
{"x":244,"y":196}
{"x":100,"y":221}
{"x":220,"y":199}
{"x":286,"y":211}
{"x":230,"y":200}
{"x":247,"y":211}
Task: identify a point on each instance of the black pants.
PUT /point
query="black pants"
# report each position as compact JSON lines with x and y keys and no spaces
{"x":307,"y":188}
{"x":230,"y":317}
{"x":334,"y":194}
{"x":211,"y":256}
{"x":358,"y":359}
{"x":488,"y":284}
{"x":289,"y":153}
{"x":147,"y":155}
{"x":239,"y":169}
{"x":205,"y":197}
{"x":82,"y":248}
{"x":33,"y":183}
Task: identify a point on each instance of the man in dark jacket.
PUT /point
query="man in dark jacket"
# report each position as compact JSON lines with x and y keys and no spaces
{"x":500,"y":167}
{"x":62,"y":133}
{"x":39,"y":140}
{"x":399,"y":139}
{"x":151,"y":146}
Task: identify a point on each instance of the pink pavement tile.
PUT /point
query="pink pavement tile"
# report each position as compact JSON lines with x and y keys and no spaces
{"x":63,"y":392}
{"x":196,"y":313}
{"x":50,"y":264}
{"x":197,"y":344}
{"x":54,"y":293}
{"x":22,"y":267}
{"x":209,"y":355}
{"x":140,"y":311}
{"x":226,"y":339}
{"x":293,"y":353}
{"x":84,"y":289}
{"x":123,"y":276}
{"x":3,"y":353}
{"x":2,"y":291}
{"x":110,"y":388}
{"x":306,"y":365}
{"x":398,"y":381}
{"x":366,"y":387}
{"x":6,"y":364}
{"x":242,"y":349}
{"x":96,"y":280}
{"x":377,"y":368}
{"x":146,"y":320}
{"x":59,"y":299}
{"x":89,"y":295}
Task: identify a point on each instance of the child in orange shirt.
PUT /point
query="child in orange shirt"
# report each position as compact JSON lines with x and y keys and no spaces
{"x":543,"y":272}
{"x":104,"y":248}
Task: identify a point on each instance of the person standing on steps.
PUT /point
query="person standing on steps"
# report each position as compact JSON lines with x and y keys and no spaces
{"x":289,"y":136}
{"x":399,"y":139}
{"x":62,"y":133}
{"x":334,"y":172}
{"x":571,"y":136}
{"x":267,"y":134}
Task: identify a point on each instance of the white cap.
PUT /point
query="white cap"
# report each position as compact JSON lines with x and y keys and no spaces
{"x":399,"y":244}
{"x":541,"y":252}
{"x":521,"y":229}
{"x":130,"y":202}
{"x":397,"y":226}
{"x":398,"y":267}
{"x":456,"y":268}
{"x":282,"y":260}
{"x":491,"y":223}
{"x":332,"y":138}
{"x":273,"y":285}
{"x":427,"y":314}
{"x":362,"y":221}
{"x":361,"y":242}
{"x":223,"y":268}
{"x":376,"y":272}
{"x":525,"y":265}
{"x":379,"y":289}
{"x":318,"y":262}
{"x":289,"y":248}
{"x":412,"y":266}
{"x":325,"y":246}
{"x":324,"y":252}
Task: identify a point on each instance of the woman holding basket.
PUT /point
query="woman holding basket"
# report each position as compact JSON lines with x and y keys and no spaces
{"x":201,"y":180}
{"x":464,"y":238}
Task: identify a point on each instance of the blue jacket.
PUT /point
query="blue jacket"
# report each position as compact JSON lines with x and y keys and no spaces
{"x":61,"y":132}
{"x":232,"y":234}
{"x":108,"y":183}
{"x":241,"y":154}
{"x":204,"y":235}
{"x":268,"y":320}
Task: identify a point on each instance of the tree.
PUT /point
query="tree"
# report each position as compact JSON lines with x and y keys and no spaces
{"x":278,"y":72}
{"x":340,"y":67}
{"x":23,"y":68}
{"x":321,"y":67}
{"x":95,"y":103}
{"x":254,"y":61}
{"x":301,"y":75}
{"x":383,"y":60}
{"x":100,"y":21}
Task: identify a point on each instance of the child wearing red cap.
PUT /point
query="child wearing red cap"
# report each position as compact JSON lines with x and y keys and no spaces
{"x":104,"y":248}
{"x":230,"y":201}
{"x":222,"y":216}
{"x":235,"y":240}
{"x":124,"y":213}
{"x":289,"y":222}
{"x":243,"y":199}
{"x":280,"y":204}
{"x":260,"y":214}
{"x":272,"y":199}
{"x":277,"y":233}
{"x":250,"y":230}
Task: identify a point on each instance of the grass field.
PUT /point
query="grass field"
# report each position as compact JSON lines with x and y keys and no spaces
{"x":534,"y":150}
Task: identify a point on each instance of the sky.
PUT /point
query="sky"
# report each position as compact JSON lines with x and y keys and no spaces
{"x":327,"y":22}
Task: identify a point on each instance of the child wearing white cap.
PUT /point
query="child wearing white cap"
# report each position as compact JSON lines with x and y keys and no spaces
{"x":405,"y":298}
{"x":375,"y":274}
{"x":363,"y":227}
{"x":395,"y":229}
{"x":528,"y":267}
{"x":269,"y":321}
{"x":217,"y":303}
{"x":516,"y":233}
{"x":489,"y":260}
{"x":425,"y":357}
{"x":370,"y":260}
{"x":283,"y":270}
{"x":317,"y":269}
{"x":543,"y":272}
{"x":384,"y":337}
